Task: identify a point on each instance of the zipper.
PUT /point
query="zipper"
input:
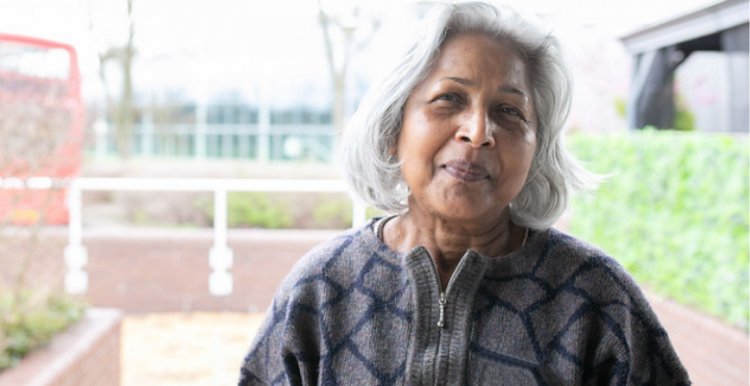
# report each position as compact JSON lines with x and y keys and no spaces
{"x":440,"y":322}
{"x":443,"y":294}
{"x":442,"y":302}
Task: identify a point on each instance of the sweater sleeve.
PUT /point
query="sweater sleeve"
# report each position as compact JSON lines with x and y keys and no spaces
{"x":635,"y":349}
{"x":285,"y":349}
{"x":272,"y":360}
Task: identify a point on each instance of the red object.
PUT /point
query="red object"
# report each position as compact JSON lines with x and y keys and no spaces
{"x":41,"y":126}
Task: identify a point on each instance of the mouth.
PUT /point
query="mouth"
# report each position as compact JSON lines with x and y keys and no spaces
{"x":466,"y":171}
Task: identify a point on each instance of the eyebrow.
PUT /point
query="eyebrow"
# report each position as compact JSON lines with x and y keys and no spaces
{"x":512,"y":90}
{"x":504,"y":88}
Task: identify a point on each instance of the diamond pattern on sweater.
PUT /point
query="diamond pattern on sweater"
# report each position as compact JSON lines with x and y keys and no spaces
{"x":382,"y":311}
{"x":554,"y":323}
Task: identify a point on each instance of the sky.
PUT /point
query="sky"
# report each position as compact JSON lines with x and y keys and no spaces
{"x":205,"y":46}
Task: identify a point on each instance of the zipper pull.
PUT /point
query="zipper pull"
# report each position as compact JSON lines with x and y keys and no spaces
{"x":440,"y":322}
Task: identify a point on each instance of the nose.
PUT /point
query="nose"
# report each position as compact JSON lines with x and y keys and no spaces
{"x":476,"y":130}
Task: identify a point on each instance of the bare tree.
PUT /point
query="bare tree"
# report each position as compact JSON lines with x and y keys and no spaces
{"x":122,"y":109}
{"x":344,"y":26}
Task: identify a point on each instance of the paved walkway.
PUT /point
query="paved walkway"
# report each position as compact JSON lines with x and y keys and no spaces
{"x":206,"y":349}
{"x":713,"y":353}
{"x":199,"y":349}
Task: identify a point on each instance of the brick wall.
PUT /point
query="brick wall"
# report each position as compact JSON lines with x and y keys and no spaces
{"x":167,"y":271}
{"x":87,"y":354}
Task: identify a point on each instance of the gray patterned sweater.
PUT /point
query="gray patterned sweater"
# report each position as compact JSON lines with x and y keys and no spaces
{"x":556,"y":312}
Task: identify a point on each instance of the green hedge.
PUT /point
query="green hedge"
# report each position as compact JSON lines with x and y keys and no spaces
{"x":674,"y":212}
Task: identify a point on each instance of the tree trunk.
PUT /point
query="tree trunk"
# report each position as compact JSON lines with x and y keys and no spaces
{"x":126,"y":114}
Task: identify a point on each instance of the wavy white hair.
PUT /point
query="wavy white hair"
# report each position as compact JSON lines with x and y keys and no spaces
{"x":374,"y":173}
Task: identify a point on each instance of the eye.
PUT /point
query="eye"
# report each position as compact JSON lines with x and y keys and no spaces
{"x":509,"y":111}
{"x":448,"y":97}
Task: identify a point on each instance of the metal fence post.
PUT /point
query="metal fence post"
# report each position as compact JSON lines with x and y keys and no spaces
{"x":147,"y":135}
{"x":264,"y":123}
{"x":201,"y":121}
{"x":359,"y":213}
{"x":76,"y":255}
{"x":220,"y":258}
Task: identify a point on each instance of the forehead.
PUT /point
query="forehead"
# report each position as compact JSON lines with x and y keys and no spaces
{"x":480,"y":55}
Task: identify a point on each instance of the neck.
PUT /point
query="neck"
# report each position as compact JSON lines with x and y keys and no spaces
{"x":448,"y":240}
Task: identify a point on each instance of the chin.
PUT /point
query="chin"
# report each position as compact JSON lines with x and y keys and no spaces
{"x":472,"y":213}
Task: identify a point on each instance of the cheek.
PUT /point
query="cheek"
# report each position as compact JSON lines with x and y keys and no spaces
{"x":531,"y":147}
{"x":416,"y":137}
{"x":528,"y":154}
{"x":527,"y":143}
{"x":517,"y":156}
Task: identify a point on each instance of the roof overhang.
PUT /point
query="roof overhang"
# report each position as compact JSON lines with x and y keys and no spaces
{"x":706,"y":21}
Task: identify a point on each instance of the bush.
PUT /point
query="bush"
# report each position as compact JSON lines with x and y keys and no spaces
{"x":29,"y":319}
{"x":330,"y":211}
{"x":255,"y":209}
{"x":303,"y":210}
{"x":674,"y":212}
{"x":252,"y":210}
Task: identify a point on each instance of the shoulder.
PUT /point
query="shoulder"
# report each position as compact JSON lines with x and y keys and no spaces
{"x":580,"y":264}
{"x":579,"y":300}
{"x":329,"y":290}
{"x":314,"y":280}
{"x":336,"y":264}
{"x":554,"y":241}
{"x":590,"y":286}
{"x":574,"y":269}
{"x":327,"y":254}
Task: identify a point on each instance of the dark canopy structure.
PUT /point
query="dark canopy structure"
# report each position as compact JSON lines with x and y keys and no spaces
{"x":659,"y":49}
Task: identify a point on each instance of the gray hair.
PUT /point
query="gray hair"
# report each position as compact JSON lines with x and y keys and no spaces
{"x":374,"y":173}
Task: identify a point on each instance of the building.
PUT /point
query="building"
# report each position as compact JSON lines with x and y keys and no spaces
{"x":711,"y":46}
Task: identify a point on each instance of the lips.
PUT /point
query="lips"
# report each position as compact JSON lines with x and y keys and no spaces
{"x":466,"y":171}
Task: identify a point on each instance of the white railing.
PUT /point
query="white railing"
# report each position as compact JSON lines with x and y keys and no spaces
{"x":220,"y":256}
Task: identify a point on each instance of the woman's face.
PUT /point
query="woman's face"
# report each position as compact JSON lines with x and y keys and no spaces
{"x":469,"y":131}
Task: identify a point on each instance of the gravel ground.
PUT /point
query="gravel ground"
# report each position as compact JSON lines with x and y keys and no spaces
{"x":185,"y":349}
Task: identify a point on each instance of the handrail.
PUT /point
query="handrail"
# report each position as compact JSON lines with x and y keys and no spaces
{"x":220,"y":255}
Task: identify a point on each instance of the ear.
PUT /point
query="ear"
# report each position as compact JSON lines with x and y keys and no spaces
{"x":393,"y":149}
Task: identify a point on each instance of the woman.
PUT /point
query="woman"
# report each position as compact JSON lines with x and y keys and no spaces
{"x":466,"y":284}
